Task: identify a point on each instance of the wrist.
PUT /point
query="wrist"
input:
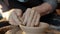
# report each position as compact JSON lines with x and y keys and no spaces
{"x":37,"y":9}
{"x":43,"y":9}
{"x":40,"y":10}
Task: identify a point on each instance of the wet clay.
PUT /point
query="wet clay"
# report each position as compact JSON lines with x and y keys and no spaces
{"x":29,"y":30}
{"x":35,"y":30}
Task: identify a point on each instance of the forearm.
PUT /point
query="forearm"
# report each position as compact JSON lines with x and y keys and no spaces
{"x":47,"y":6}
{"x":44,"y":8}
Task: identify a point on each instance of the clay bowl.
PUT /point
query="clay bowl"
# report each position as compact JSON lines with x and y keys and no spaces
{"x":35,"y":30}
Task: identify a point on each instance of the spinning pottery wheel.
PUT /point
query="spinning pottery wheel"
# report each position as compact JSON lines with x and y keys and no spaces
{"x":50,"y":31}
{"x":29,"y":30}
{"x":19,"y":32}
{"x":5,"y":29}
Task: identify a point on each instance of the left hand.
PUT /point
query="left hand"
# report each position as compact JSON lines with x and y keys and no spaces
{"x":13,"y":16}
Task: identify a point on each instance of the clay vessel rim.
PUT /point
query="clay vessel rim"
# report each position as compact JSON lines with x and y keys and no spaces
{"x":32,"y":27}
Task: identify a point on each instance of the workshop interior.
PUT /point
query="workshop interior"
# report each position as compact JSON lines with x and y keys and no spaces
{"x":51,"y":19}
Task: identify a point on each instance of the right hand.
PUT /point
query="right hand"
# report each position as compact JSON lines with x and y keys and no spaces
{"x":31,"y":18}
{"x":14,"y":16}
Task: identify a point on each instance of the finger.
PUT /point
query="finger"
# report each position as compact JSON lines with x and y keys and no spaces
{"x":24,"y":14}
{"x":30,"y":18}
{"x":18,"y":12}
{"x":14,"y":16}
{"x":23,"y":17}
{"x":27,"y":14}
{"x":37,"y":20}
{"x":11,"y":21}
{"x":7,"y":14}
{"x":34,"y":19}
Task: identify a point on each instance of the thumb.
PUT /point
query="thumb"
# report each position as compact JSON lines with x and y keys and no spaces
{"x":18,"y":12}
{"x":7,"y":14}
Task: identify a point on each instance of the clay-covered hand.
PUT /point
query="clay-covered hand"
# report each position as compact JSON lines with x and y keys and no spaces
{"x":31,"y":18}
{"x":14,"y":16}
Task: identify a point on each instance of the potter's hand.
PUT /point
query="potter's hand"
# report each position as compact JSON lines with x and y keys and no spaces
{"x":14,"y":16}
{"x":31,"y":17}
